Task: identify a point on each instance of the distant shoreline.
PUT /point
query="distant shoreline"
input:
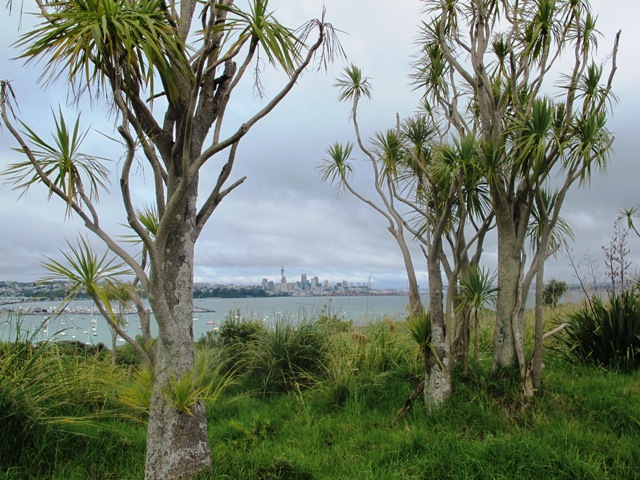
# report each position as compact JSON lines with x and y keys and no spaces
{"x":20,"y":292}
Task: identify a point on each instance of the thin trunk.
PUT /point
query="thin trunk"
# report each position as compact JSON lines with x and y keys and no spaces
{"x":415,"y":302}
{"x":536,"y":361}
{"x":476,"y":338}
{"x":437,"y":386}
{"x":114,"y":345}
{"x":145,"y":320}
{"x":461,"y":343}
{"x":145,"y":325}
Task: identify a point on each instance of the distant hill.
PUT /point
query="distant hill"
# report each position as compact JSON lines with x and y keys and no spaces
{"x":58,"y":290}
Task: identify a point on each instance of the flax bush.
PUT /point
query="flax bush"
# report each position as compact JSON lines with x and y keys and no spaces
{"x":605,"y":334}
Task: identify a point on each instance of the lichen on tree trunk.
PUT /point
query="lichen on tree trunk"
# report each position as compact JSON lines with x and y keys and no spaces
{"x":177,"y":440}
{"x":437,"y":385}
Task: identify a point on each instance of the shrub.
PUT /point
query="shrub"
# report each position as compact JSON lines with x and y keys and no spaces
{"x":288,"y":356}
{"x":347,"y":378}
{"x":46,"y":391}
{"x":605,"y":334}
{"x":383,"y":347}
{"x":126,"y":355}
{"x":236,"y":329}
{"x":330,"y":321}
{"x":553,"y":291}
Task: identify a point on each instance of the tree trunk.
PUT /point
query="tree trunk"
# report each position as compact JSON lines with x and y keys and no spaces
{"x":114,"y":345}
{"x":415,"y":302}
{"x":461,"y":342}
{"x":536,"y":360}
{"x":437,"y":385}
{"x":177,"y":441}
{"x":509,"y":268}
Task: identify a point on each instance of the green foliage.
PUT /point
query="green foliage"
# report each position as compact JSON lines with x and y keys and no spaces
{"x":353,"y":85}
{"x":358,"y":365}
{"x":127,"y":356}
{"x":62,"y":163}
{"x":85,"y":271}
{"x":572,"y":430}
{"x":585,"y":422}
{"x":94,"y":39}
{"x":287,"y":356}
{"x":213,"y":373}
{"x":258,"y":25}
{"x":553,"y":291}
{"x":183,"y":392}
{"x":383,"y":347}
{"x":605,"y":334}
{"x":419,"y":327}
{"x":238,"y":330}
{"x":47,"y":392}
{"x":336,"y":168}
{"x":329,"y":321}
{"x":210,"y":379}
{"x":136,"y":392}
{"x":477,"y":288}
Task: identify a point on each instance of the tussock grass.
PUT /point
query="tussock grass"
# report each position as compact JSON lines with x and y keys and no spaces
{"x":330,"y":414}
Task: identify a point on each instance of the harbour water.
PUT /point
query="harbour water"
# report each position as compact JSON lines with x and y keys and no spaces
{"x":82,"y":322}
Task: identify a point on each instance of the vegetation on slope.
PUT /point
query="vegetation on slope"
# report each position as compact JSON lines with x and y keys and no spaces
{"x":288,"y":417}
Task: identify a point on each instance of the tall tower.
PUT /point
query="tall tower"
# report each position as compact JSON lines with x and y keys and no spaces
{"x":282,"y":279}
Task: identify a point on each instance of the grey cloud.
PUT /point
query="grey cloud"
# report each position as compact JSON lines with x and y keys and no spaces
{"x":283,"y":214}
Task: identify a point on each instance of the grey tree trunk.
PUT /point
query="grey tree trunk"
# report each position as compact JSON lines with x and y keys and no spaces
{"x":177,"y":440}
{"x":437,"y":385}
{"x":114,"y":345}
{"x":415,"y":302}
{"x":536,"y":360}
{"x":509,"y":268}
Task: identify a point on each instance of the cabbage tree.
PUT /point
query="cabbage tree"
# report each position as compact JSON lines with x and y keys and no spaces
{"x":487,"y":68}
{"x":169,"y":71}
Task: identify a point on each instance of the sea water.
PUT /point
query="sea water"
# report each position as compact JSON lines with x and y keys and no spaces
{"x":82,"y":322}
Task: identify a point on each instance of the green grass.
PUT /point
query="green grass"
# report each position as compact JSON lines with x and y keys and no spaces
{"x":584,"y":424}
{"x":340,"y":422}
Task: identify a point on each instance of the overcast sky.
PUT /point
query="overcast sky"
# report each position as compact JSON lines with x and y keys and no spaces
{"x":283,"y":215}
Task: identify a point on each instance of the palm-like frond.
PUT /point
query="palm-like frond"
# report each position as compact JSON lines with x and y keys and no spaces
{"x":279,"y":43}
{"x":474,"y":187}
{"x":97,"y":40}
{"x":419,"y":327}
{"x":61,"y":162}
{"x":148,"y":217}
{"x":543,"y":28}
{"x":336,"y":168}
{"x":562,"y":230}
{"x":390,"y":151}
{"x":418,"y":135}
{"x":589,"y":145}
{"x":85,"y":270}
{"x":534,"y":137}
{"x":150,"y":220}
{"x":353,"y":85}
{"x":476,"y":288}
{"x":431,"y":68}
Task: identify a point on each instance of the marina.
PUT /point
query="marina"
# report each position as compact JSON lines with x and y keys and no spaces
{"x":81,"y":321}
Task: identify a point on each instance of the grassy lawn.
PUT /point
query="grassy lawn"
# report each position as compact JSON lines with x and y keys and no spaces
{"x":585,"y":424}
